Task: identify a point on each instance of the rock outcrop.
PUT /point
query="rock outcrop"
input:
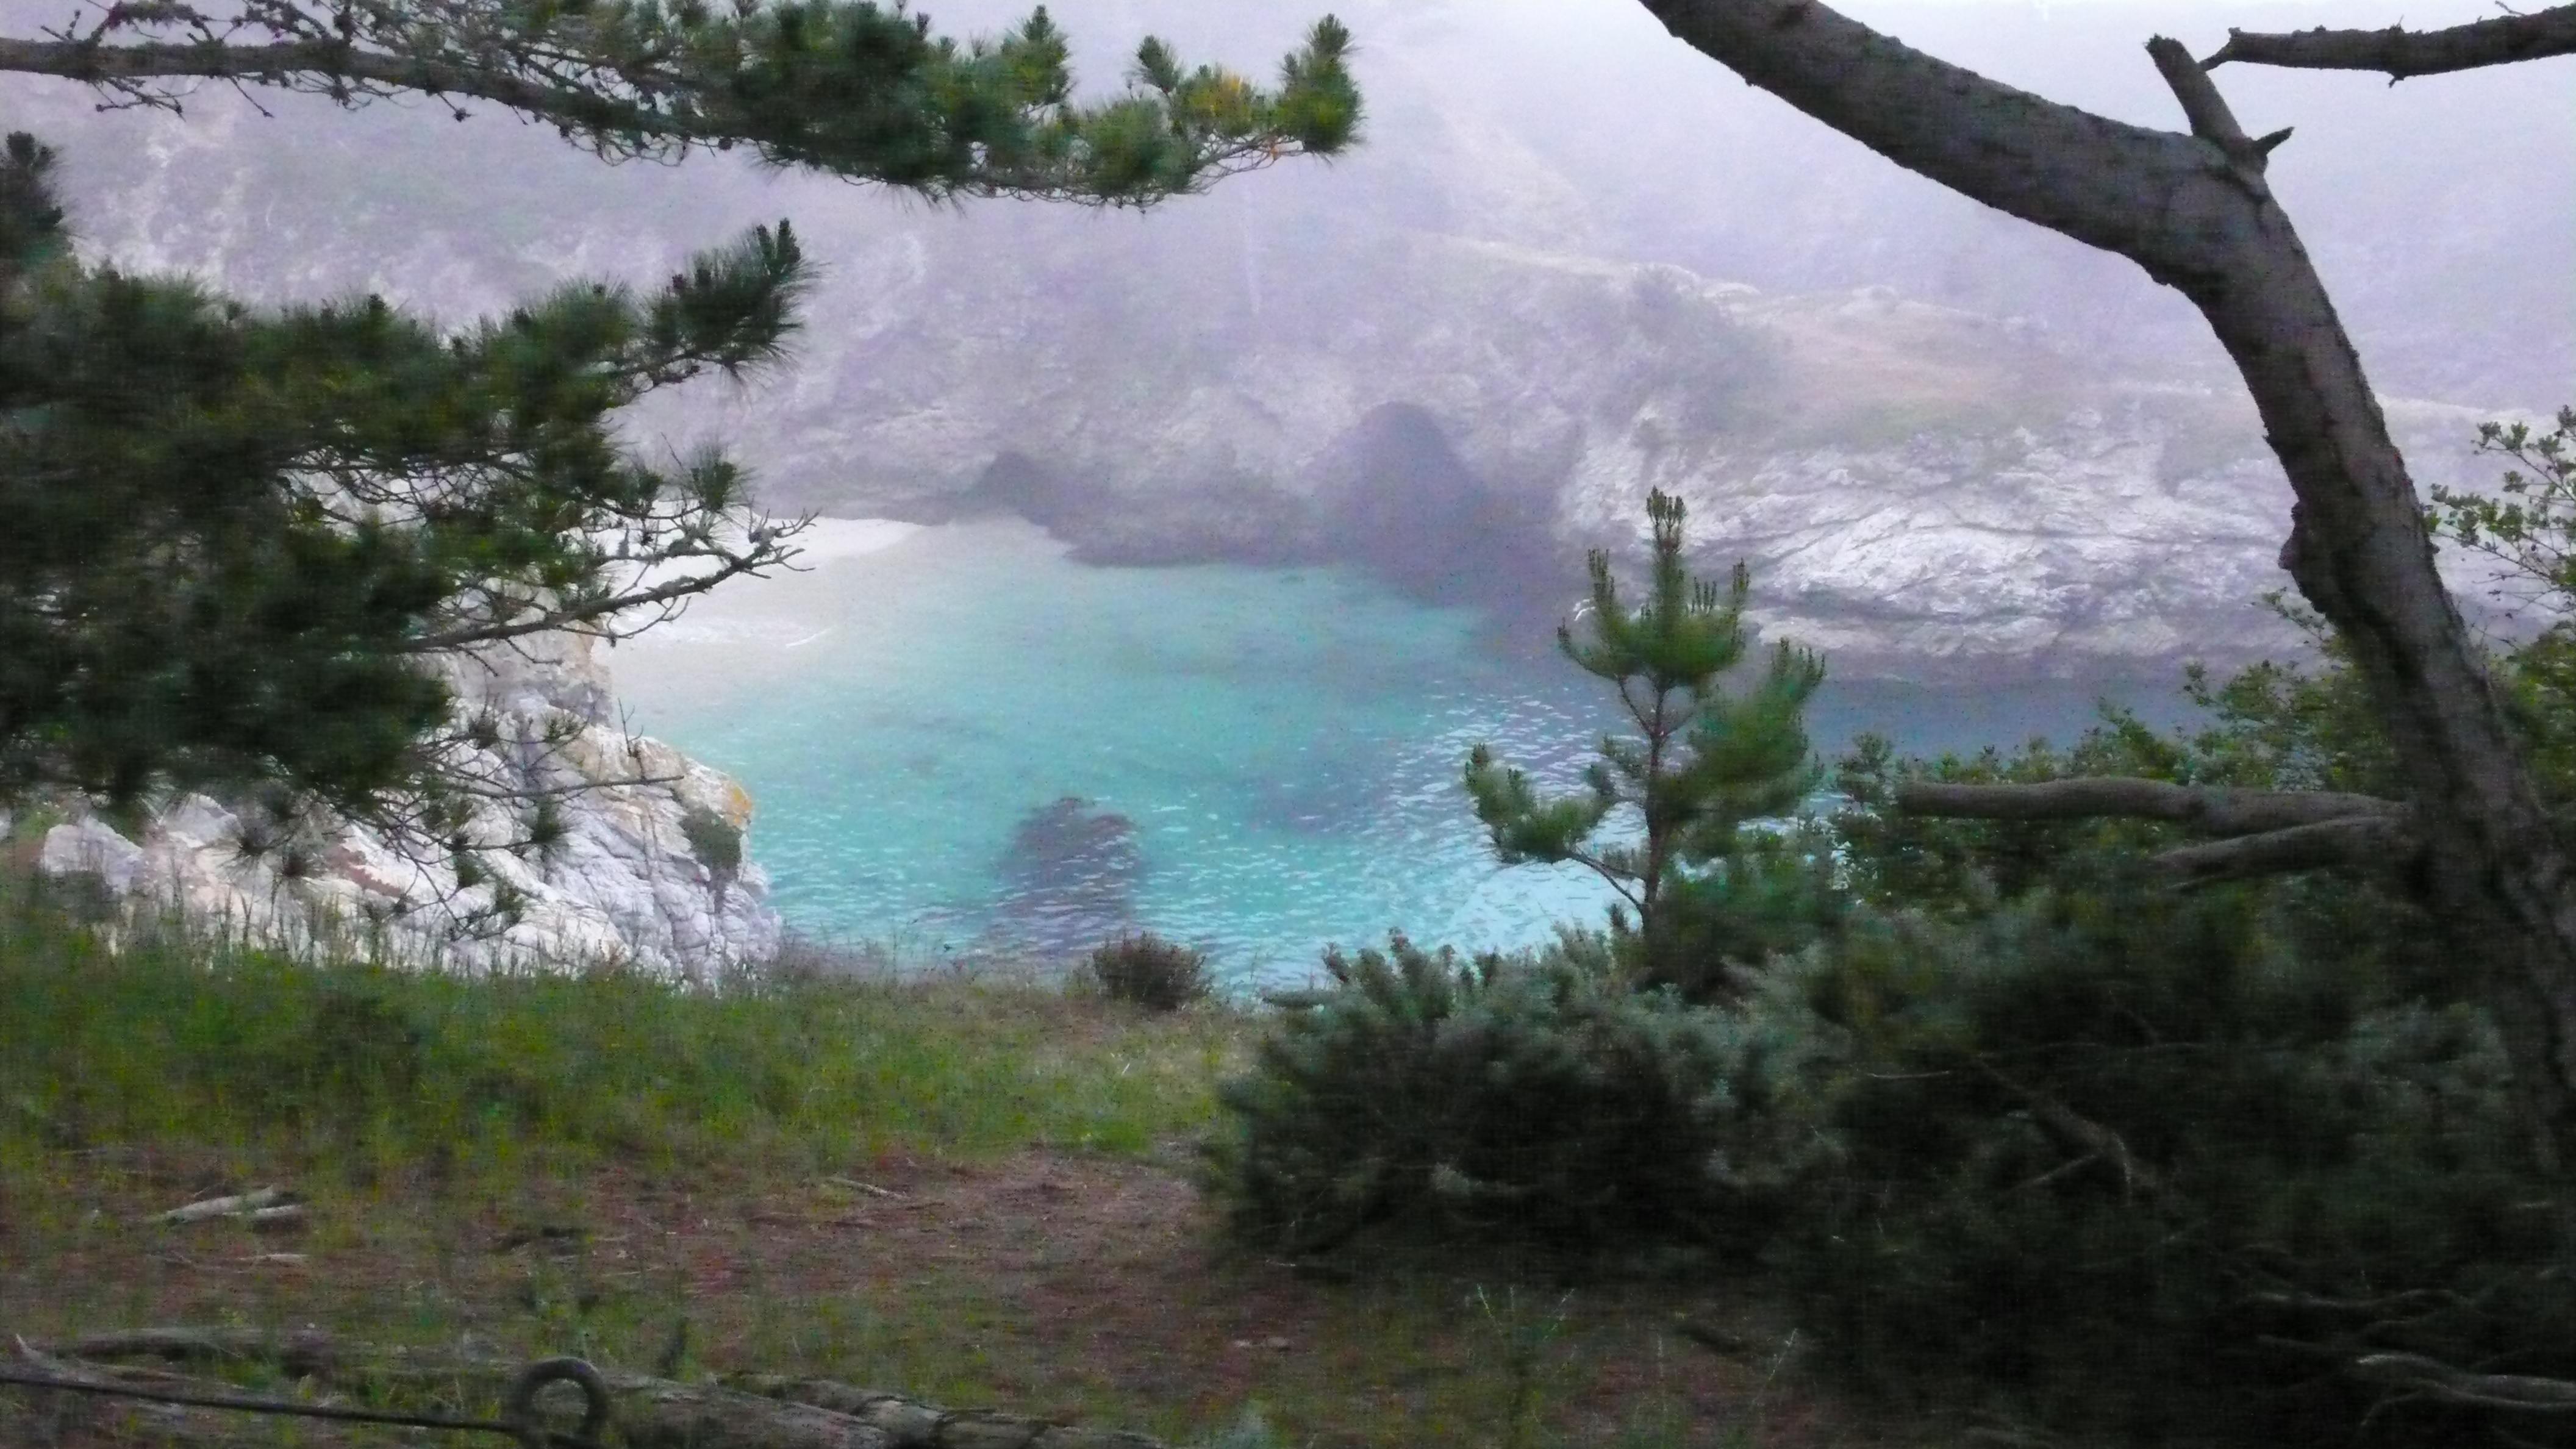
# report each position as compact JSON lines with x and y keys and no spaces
{"x":626,"y":886}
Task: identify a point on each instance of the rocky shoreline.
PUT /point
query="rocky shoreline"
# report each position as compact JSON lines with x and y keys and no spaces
{"x":629,"y":886}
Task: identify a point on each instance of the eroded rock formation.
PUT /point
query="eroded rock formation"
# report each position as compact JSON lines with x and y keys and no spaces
{"x":626,"y":885}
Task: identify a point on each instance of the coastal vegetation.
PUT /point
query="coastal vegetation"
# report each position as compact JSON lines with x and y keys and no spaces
{"x":2205,"y":1087}
{"x":2000,"y":1131}
{"x":966,"y":1184}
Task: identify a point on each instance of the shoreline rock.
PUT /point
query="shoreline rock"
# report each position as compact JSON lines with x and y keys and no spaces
{"x":623,"y":888}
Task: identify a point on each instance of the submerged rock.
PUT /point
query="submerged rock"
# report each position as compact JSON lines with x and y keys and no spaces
{"x":1069,"y":878}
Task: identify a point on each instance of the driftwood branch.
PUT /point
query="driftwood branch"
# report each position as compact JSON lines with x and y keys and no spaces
{"x":299,"y":1354}
{"x":2398,"y":52}
{"x":909,"y":1424}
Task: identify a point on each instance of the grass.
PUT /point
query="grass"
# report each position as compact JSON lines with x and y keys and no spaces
{"x":322,"y":1066}
{"x":971,"y":1190}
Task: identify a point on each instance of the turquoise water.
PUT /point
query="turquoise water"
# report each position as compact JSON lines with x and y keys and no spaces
{"x":1282,"y":746}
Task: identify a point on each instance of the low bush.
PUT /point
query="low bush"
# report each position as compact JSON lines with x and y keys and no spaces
{"x":714,"y":840}
{"x":1533,"y":1098}
{"x":1151,"y":972}
{"x":2123,"y":1166}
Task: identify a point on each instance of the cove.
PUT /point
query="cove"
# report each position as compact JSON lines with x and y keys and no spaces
{"x":961,"y":741}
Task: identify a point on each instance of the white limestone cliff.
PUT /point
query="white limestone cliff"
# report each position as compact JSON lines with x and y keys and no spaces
{"x":625,"y":887}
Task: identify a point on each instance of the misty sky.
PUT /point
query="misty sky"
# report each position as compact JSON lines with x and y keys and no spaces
{"x":2435,"y":209}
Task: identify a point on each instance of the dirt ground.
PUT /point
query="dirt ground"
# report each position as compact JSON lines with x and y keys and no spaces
{"x":1068,"y":1286}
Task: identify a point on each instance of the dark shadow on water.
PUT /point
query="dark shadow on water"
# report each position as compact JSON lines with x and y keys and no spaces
{"x":1068,"y":879}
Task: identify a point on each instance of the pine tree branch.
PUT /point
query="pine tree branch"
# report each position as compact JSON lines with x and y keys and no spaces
{"x":837,"y":85}
{"x":2373,"y":844}
{"x":768,"y":551}
{"x":2274,"y":832}
{"x":2400,"y":53}
{"x":2205,"y":809}
{"x":283,"y":62}
{"x":1620,"y":881}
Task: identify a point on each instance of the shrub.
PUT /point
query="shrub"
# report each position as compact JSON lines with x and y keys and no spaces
{"x":1151,"y":972}
{"x":2138,"y":1171}
{"x":714,"y":840}
{"x":1532,"y":1098}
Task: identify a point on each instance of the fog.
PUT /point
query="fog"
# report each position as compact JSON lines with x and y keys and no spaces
{"x":1571,"y":260}
{"x":2437,"y":209}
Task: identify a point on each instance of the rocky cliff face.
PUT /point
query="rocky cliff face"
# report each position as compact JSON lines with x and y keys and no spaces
{"x":1465,"y":354}
{"x":631,"y":883}
{"x":1925,"y":492}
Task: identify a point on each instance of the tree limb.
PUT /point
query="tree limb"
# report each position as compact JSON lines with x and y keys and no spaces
{"x":275,"y":64}
{"x":2207,"y":809}
{"x":2077,"y":1130}
{"x":842,"y":86}
{"x":2400,"y":53}
{"x":584,"y":617}
{"x":2434,"y":1379}
{"x":2198,"y":219}
{"x":2275,"y":832}
{"x":2090,"y":177}
{"x":2375,"y":844}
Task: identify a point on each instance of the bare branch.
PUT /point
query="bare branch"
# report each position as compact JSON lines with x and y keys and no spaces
{"x":2202,"y":105}
{"x":2207,"y":111}
{"x":2088,"y":176}
{"x":2208,"y":810}
{"x":2399,"y":52}
{"x":2069,"y":1126}
{"x":2276,"y":832}
{"x":2376,"y":844}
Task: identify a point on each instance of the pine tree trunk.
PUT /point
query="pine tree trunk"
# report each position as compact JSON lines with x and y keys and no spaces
{"x":2195,"y":212}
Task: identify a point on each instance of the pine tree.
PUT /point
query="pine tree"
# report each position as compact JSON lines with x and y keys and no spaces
{"x":846,"y":87}
{"x":238,"y":540}
{"x":241,"y":542}
{"x":1702,"y":763}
